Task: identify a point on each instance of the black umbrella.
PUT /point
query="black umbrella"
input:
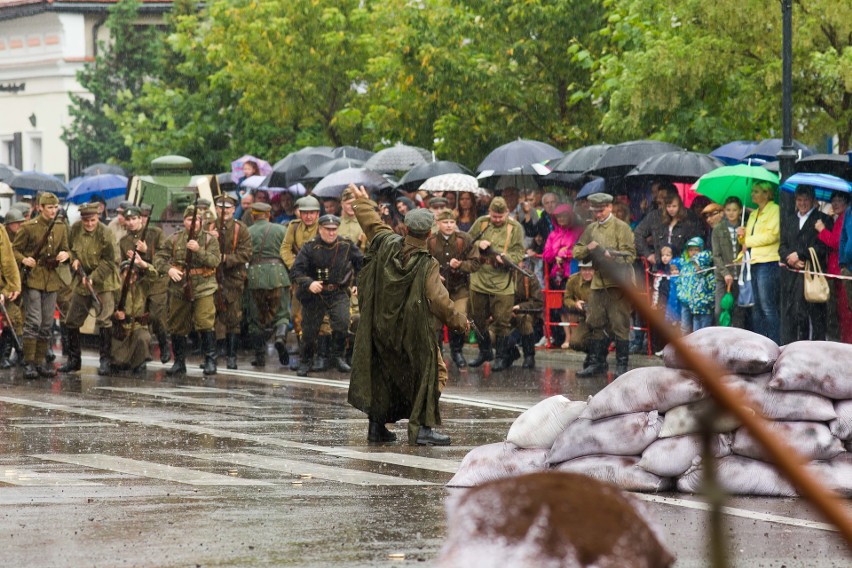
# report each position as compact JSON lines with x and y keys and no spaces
{"x":99,"y":169}
{"x":330,"y":167}
{"x":579,"y":160}
{"x":296,"y":165}
{"x":767,"y":150}
{"x":353,"y":152}
{"x":332,"y":185}
{"x":508,"y":158}
{"x":398,"y":158}
{"x":30,"y":183}
{"x":831,"y":164}
{"x":564,"y":179}
{"x":415,"y":177}
{"x":7,"y":172}
{"x":622,"y":158}
{"x":681,"y":166}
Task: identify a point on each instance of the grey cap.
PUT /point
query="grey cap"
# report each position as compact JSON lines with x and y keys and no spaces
{"x":261,"y":207}
{"x":124,"y":205}
{"x":329,"y":220}
{"x":13,"y":216}
{"x":204,"y":202}
{"x":420,"y":220}
{"x":21,"y":207}
{"x":308,"y":203}
{"x":600,"y":199}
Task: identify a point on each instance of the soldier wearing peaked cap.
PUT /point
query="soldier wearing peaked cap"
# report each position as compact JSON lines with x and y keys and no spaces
{"x":154,"y":284}
{"x":118,"y":226}
{"x":606,"y":240}
{"x":299,"y":231}
{"x":191,"y":266}
{"x":458,"y":259}
{"x":93,"y":253}
{"x":43,"y":247}
{"x":492,"y":287}
{"x":267,"y":309}
{"x":323,"y":272}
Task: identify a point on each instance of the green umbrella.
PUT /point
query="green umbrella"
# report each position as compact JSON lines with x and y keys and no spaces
{"x":726,"y":181}
{"x":727,"y":306}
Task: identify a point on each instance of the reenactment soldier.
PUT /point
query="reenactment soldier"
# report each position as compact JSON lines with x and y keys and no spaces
{"x":458,"y":258}
{"x":236,"y":246}
{"x":492,"y":287}
{"x":397,"y":364}
{"x":269,"y":286}
{"x":529,"y":303}
{"x":11,"y":298}
{"x":118,"y":225}
{"x":43,"y":245}
{"x":299,"y":231}
{"x":606,"y":239}
{"x":93,"y":252}
{"x":191,"y":265}
{"x":575,"y":299}
{"x":10,"y":291}
{"x":323,"y":271}
{"x":349,"y":226}
{"x":130,"y":346}
{"x":155,"y":284}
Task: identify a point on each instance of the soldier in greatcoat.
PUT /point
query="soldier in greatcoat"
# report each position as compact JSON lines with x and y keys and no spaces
{"x":10,"y":291}
{"x":269,"y":286}
{"x":43,"y":247}
{"x":191,"y":265}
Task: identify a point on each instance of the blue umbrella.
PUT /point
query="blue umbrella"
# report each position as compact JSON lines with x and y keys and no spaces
{"x":734,"y":153}
{"x":767,"y":150}
{"x":597,"y":185}
{"x":824,"y":185}
{"x":107,"y":186}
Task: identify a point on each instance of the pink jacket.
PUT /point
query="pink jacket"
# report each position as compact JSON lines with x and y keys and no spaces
{"x":559,"y":244}
{"x":832,"y":241}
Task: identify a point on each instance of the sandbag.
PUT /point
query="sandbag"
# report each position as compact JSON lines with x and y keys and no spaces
{"x":836,"y":473}
{"x":737,"y":350}
{"x":496,"y":461}
{"x":539,"y":426}
{"x":645,"y":389}
{"x":622,"y":471}
{"x":782,"y":405}
{"x":740,"y":476}
{"x":683,"y":420}
{"x":623,"y":435}
{"x":547,"y":520}
{"x":821,"y":367}
{"x":672,"y":457}
{"x":811,"y":440}
{"x":841,"y":427}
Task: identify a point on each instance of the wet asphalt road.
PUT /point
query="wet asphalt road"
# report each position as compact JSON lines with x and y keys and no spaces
{"x":264,"y":468}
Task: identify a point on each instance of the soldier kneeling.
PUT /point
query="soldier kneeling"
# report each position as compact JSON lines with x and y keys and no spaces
{"x":130,"y":348}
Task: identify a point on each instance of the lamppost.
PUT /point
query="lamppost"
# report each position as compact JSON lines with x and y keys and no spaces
{"x":787,"y":156}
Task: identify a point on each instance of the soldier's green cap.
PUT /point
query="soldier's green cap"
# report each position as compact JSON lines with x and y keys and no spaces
{"x":308,"y":203}
{"x":146,"y":209}
{"x":419,"y":221}
{"x":189,"y":211}
{"x":438,"y":202}
{"x":329,"y":219}
{"x":260,"y":207}
{"x":13,"y":216}
{"x":88,"y":209}
{"x":225,"y":201}
{"x":22,"y":207}
{"x":204,"y":202}
{"x":347,"y":195}
{"x":124,"y":205}
{"x":133,"y":211}
{"x":445,"y":215}
{"x":48,"y":199}
{"x":208,"y":215}
{"x":498,"y":205}
{"x":600,"y":199}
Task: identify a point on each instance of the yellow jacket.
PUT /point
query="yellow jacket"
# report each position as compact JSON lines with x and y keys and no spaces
{"x":763,"y":234}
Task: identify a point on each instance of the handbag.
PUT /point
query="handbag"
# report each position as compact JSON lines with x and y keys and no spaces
{"x":816,"y":284}
{"x":745,"y":298}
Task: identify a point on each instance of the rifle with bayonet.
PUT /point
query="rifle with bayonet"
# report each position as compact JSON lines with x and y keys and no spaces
{"x":507,"y":262}
{"x":11,"y":327}
{"x":190,"y":236}
{"x":25,"y":271}
{"x":219,"y":298}
{"x":118,"y":330}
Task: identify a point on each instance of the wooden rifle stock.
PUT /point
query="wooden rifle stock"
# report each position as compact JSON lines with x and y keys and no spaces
{"x":190,"y":236}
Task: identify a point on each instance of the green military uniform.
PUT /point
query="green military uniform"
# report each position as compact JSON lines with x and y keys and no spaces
{"x":445,"y":248}
{"x":295,"y":238}
{"x":530,"y":302}
{"x":130,"y":338}
{"x":269,"y":285}
{"x":41,"y":283}
{"x":95,"y":253}
{"x":608,"y":307}
{"x":577,"y":289}
{"x":492,"y":287}
{"x":10,"y":283}
{"x":154,"y":284}
{"x":396,"y":363}
{"x":197,"y":309}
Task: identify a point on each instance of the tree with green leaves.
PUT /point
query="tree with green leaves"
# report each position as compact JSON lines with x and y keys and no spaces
{"x":118,"y":73}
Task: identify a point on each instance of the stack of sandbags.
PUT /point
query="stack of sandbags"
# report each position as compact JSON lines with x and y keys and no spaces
{"x":643,"y":431}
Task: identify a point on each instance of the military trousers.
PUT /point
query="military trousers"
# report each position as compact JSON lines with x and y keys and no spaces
{"x":184,"y":316}
{"x":524,"y":323}
{"x":229,"y":320}
{"x":498,"y":307}
{"x":268,"y":309}
{"x":608,"y":308}
{"x":81,"y":306}
{"x":38,"y":320}
{"x":16,"y":315}
{"x":133,"y":350}
{"x":158,"y":312}
{"x":314,"y":308}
